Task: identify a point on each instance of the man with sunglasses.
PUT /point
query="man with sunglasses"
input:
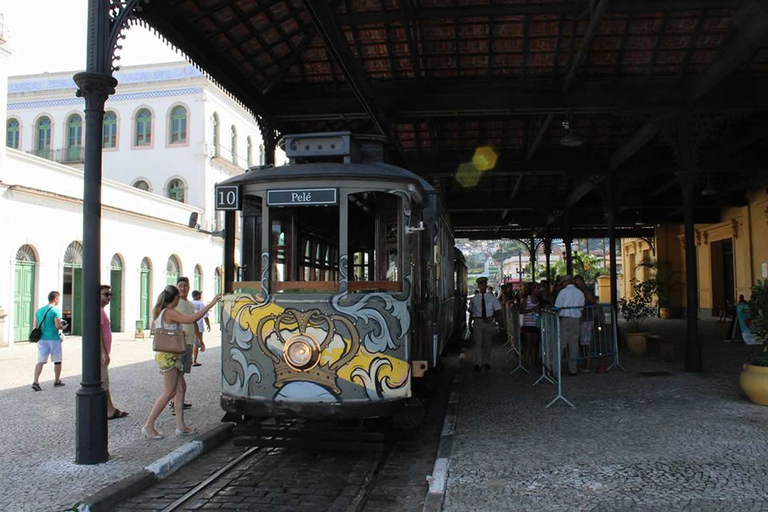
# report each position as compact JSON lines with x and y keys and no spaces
{"x":106,"y":348}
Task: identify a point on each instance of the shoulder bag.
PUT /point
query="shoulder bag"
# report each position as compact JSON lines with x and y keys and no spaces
{"x":37,"y":332}
{"x":168,"y":340}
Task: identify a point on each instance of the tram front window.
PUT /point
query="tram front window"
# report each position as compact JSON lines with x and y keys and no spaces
{"x":303,"y":239}
{"x":374,"y":238}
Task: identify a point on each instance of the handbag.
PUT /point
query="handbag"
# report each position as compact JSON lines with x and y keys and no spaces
{"x":168,"y":340}
{"x":37,"y":332}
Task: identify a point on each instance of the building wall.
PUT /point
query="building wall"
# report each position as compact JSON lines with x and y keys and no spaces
{"x":746,"y":228}
{"x":135,"y":225}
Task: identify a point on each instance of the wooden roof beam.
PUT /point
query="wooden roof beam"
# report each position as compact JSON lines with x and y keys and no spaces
{"x":752,"y":23}
{"x":618,"y":6}
{"x":586,"y":42}
{"x":338,"y":49}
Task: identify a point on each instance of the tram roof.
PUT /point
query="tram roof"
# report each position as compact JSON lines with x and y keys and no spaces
{"x":333,"y":171}
{"x":444,"y":77}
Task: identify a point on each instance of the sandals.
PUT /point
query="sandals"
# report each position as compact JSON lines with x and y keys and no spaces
{"x":58,"y":384}
{"x":197,"y":364}
{"x":117,"y":414}
{"x":36,"y":386}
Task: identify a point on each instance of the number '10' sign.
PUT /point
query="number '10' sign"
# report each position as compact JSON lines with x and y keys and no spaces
{"x":228,"y":197}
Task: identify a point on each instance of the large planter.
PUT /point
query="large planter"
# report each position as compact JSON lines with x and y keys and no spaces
{"x":754,"y":383}
{"x":636,"y":343}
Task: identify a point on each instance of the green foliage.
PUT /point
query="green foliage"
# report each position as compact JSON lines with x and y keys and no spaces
{"x":758,"y":324}
{"x":640,"y":307}
{"x":664,"y":277}
{"x":585,"y":265}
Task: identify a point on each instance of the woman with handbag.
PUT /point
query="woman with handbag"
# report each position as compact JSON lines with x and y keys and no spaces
{"x":168,"y":345}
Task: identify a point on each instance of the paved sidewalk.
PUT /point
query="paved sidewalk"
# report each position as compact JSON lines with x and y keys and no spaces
{"x":633,"y":443}
{"x":37,"y":469}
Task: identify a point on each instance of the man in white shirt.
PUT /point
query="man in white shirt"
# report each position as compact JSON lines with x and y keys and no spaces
{"x":484,"y":313}
{"x":572,"y":300}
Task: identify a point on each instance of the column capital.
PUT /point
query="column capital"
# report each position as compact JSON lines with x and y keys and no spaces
{"x":687,"y":179}
{"x":90,"y":85}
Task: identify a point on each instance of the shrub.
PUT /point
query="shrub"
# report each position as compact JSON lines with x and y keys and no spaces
{"x":640,"y":307}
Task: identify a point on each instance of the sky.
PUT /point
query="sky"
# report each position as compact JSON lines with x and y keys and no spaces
{"x":50,"y":36}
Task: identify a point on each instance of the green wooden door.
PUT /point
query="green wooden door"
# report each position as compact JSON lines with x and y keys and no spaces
{"x":198,"y":282}
{"x":23,"y":300}
{"x":116,"y":304}
{"x":144,"y":297}
{"x":77,"y":301}
{"x":216,"y":289}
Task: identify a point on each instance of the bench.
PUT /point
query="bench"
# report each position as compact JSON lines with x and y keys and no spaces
{"x":658,"y":346}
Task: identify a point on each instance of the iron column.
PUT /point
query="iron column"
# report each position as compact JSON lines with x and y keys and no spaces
{"x":693,"y":360}
{"x":568,"y":241}
{"x":95,"y":86}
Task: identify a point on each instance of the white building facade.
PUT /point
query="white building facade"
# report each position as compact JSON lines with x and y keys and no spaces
{"x":169,"y":136}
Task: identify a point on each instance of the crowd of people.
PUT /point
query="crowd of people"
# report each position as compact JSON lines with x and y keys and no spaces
{"x":172,"y":312}
{"x":568,"y":296}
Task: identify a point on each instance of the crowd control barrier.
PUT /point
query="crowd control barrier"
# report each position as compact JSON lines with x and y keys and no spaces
{"x":597,"y":344}
{"x":510,"y":320}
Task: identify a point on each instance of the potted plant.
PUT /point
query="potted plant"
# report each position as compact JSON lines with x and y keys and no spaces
{"x":754,"y":375}
{"x":636,"y":310}
{"x":665,"y":280}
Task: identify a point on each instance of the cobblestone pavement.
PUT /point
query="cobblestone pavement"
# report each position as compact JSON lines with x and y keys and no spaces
{"x":664,"y":443}
{"x":37,"y":468}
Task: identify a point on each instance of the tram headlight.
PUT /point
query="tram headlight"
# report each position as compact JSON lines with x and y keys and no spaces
{"x":301,"y":352}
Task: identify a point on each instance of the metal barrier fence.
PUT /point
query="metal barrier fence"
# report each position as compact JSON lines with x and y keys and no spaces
{"x":510,"y":322}
{"x":589,"y":334}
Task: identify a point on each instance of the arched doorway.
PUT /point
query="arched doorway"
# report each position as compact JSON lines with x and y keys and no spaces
{"x":198,"y":279}
{"x":24,"y":293}
{"x":216,"y":289}
{"x":145,"y":292}
{"x":172,"y":270}
{"x":116,"y":283}
{"x":72,"y":291}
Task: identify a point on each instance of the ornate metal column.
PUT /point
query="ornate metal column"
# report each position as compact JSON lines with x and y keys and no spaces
{"x":105,"y":21}
{"x":686,"y":175}
{"x":547,"y":253}
{"x":269,"y":136}
{"x":693,"y":360}
{"x":610,"y":217}
{"x":568,"y":241}
{"x":533,"y":248}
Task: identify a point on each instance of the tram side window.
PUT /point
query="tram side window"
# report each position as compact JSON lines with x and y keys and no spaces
{"x":374,"y":241}
{"x":302,"y":239}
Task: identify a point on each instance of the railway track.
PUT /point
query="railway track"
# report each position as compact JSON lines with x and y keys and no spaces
{"x":296,"y":467}
{"x":314,"y":452}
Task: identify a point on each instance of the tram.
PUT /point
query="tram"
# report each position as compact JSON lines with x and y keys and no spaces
{"x":342,"y":287}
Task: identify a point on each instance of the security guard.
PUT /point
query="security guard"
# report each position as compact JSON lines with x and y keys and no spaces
{"x":484,"y":310}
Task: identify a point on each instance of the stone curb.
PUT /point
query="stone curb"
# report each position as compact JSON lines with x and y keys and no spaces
{"x":439,"y":478}
{"x":109,"y":497}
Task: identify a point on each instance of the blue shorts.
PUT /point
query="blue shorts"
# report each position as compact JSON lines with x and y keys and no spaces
{"x":50,"y":348}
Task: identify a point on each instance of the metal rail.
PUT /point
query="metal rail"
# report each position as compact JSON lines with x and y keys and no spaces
{"x":215,"y":477}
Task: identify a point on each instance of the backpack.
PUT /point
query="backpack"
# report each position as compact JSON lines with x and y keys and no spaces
{"x":36,"y":333}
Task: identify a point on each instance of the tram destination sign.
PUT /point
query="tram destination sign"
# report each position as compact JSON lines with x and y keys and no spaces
{"x":228,"y":197}
{"x":302,"y":197}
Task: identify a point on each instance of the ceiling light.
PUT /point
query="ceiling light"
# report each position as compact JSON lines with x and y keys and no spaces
{"x":570,"y":140}
{"x":708,"y":190}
